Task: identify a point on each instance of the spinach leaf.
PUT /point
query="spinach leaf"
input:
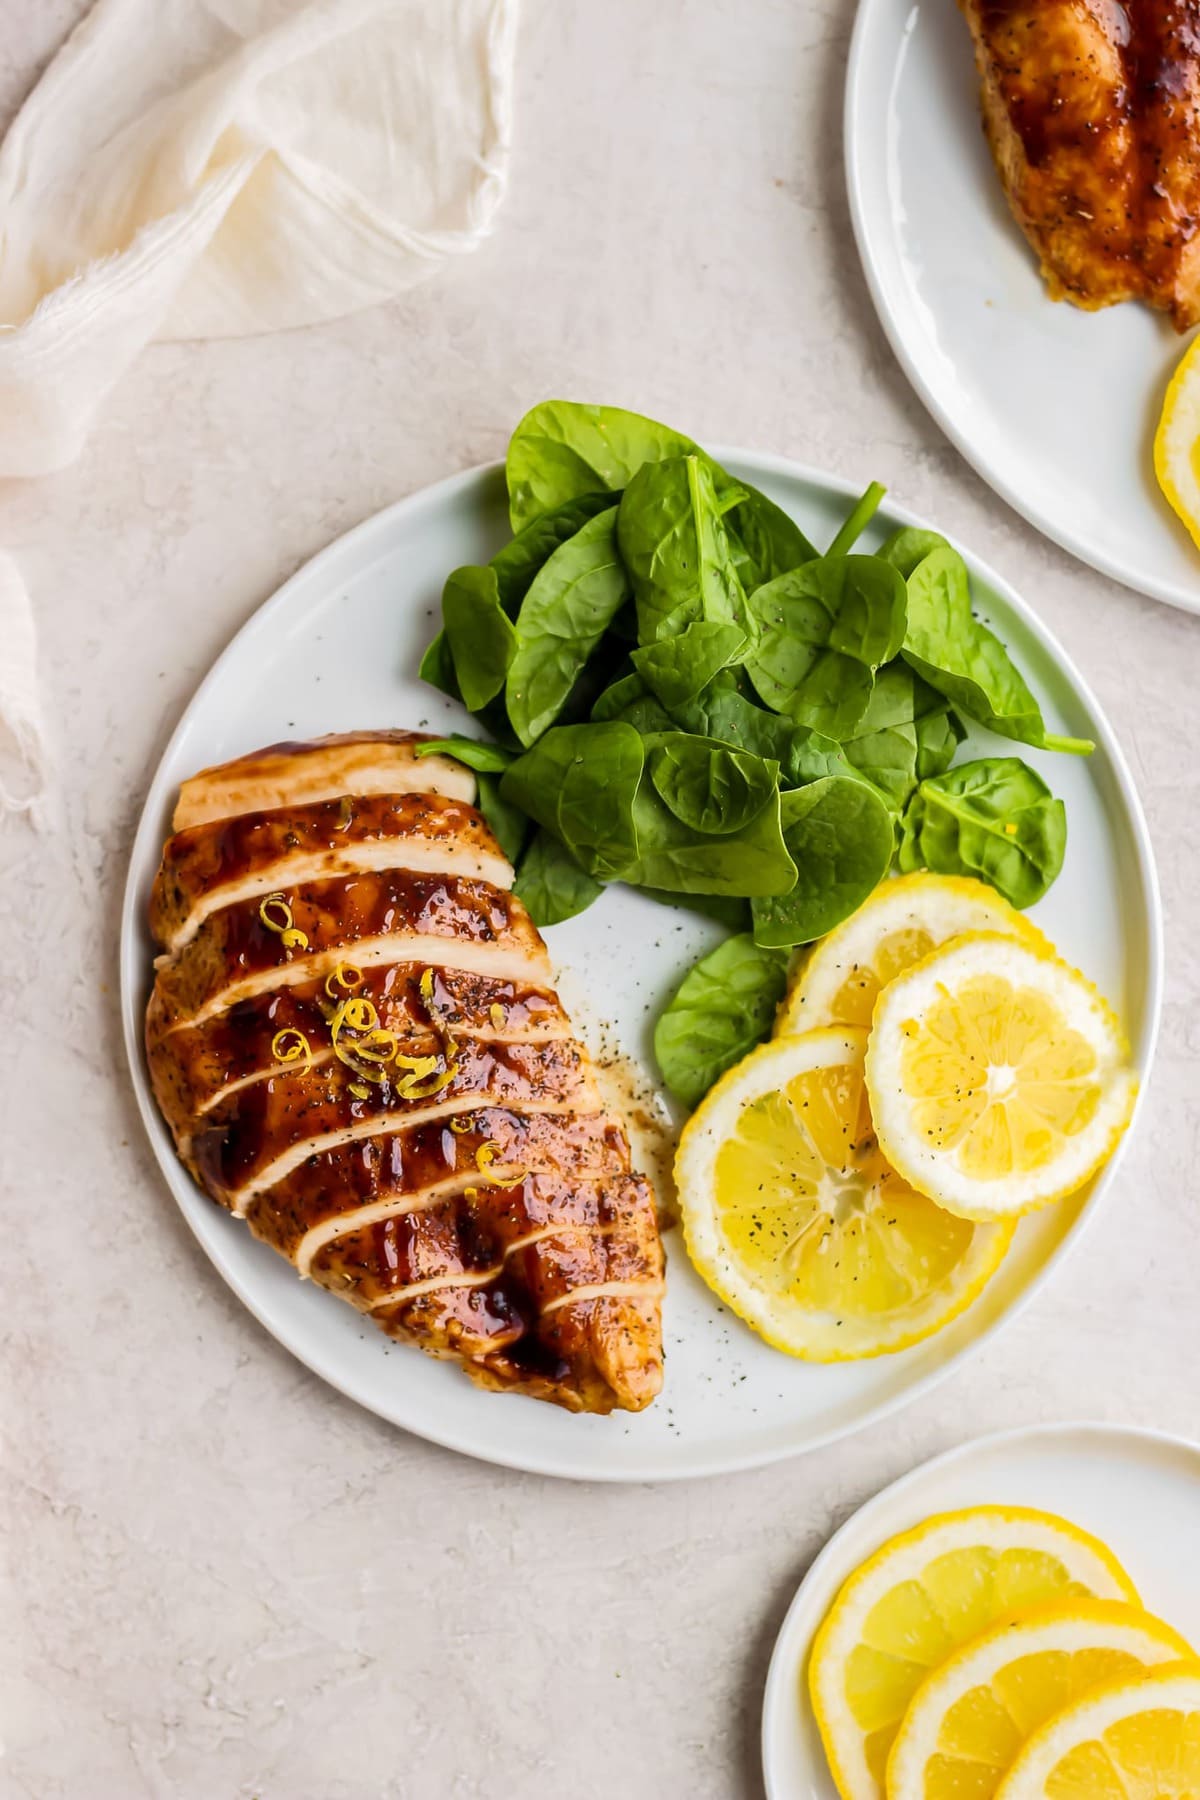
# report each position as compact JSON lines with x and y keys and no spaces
{"x":909,"y":546}
{"x":679,"y":668}
{"x":523,"y":557}
{"x":822,"y":631}
{"x":946,"y":644}
{"x":676,"y":549}
{"x":677,"y":857}
{"x":562,"y":449}
{"x":489,"y":759}
{"x":906,"y":733}
{"x":437,"y":667}
{"x":508,"y":823}
{"x":802,"y":754}
{"x":840,"y":837}
{"x":708,"y":786}
{"x":571,"y":601}
{"x":857,"y":520}
{"x":551,"y":882}
{"x":765,"y":540}
{"x":994,"y":818}
{"x":722,"y":1009}
{"x":480,"y":636}
{"x":580,"y":782}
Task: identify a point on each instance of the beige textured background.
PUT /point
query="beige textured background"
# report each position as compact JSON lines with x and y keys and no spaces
{"x":224,"y":1581}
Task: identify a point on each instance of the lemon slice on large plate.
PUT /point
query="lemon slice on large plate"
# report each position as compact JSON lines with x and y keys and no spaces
{"x":1177,"y":441}
{"x":1130,"y":1740}
{"x":919,"y":1598}
{"x":901,"y":922}
{"x":794,"y":1218}
{"x":999,"y":1078}
{"x":970,"y":1719}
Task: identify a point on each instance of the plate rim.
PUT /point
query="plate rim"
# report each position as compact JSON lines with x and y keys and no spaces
{"x":532,"y":1461}
{"x":780,"y":1669}
{"x":1169,"y":593}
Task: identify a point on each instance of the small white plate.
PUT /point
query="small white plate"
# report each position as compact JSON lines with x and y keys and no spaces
{"x":1056,"y":408}
{"x":338,"y":647}
{"x":1138,"y":1491}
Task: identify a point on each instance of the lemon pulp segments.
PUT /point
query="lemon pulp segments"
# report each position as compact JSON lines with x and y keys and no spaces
{"x":970,"y":1718}
{"x":795,"y":1218}
{"x":1129,"y":1740}
{"x":1006,"y":1080}
{"x":999,"y":1078}
{"x":917,"y":1600}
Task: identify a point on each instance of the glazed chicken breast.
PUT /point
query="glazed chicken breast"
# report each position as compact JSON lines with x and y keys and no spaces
{"x":355,"y":1041}
{"x":1091,"y":111}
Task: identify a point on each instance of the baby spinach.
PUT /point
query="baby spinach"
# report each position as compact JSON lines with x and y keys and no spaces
{"x":523,"y":557}
{"x":509,"y":824}
{"x":562,"y":449}
{"x":857,"y":520}
{"x":631,"y":700}
{"x":802,"y":753}
{"x":907,"y":732}
{"x":437,"y":667}
{"x":480,"y":635}
{"x":676,"y":548}
{"x":723,"y":1007}
{"x":821,"y":631}
{"x":765,"y":540}
{"x":960,"y":657}
{"x":909,"y":546}
{"x":580,"y":782}
{"x":709,"y":787}
{"x":571,"y":602}
{"x":551,"y":882}
{"x":679,"y":858}
{"x":489,"y":759}
{"x":679,"y":668}
{"x":839,"y":834}
{"x":994,"y":818}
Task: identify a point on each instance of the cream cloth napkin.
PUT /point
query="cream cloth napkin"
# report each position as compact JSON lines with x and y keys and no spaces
{"x":213,"y":168}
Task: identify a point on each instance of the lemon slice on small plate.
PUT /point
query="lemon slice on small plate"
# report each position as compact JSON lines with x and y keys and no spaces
{"x":970,"y":1719}
{"x":920,"y":1597}
{"x":1130,"y":1740}
{"x":1177,"y":441}
{"x":999,"y":1079}
{"x":902,"y":922}
{"x":792,"y":1215}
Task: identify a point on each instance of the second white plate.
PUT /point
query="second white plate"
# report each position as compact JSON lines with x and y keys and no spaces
{"x":1138,"y":1491}
{"x":1056,"y":408}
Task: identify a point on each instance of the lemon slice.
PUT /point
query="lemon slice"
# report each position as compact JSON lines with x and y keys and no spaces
{"x":1177,"y":441}
{"x":793,"y":1217}
{"x":969,"y":1720}
{"x":917,"y":1600}
{"x":901,"y":922}
{"x":999,"y":1078}
{"x":1129,"y":1740}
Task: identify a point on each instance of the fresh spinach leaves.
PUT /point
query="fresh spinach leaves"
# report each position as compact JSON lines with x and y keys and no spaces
{"x":709,"y":787}
{"x":551,"y":882}
{"x":995,"y":819}
{"x":820,"y":633}
{"x":479,"y":634}
{"x":677,"y":551}
{"x":907,"y":732}
{"x":959,"y":656}
{"x":489,"y":759}
{"x":580,"y":782}
{"x":569,"y":606}
{"x":840,"y":836}
{"x":723,"y":1007}
{"x":679,"y":668}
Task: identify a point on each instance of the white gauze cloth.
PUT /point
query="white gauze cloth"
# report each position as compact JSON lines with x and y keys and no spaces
{"x":214,"y":168}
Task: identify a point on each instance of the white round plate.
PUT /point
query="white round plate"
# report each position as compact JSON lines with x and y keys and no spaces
{"x":338,"y":647}
{"x":1055,"y":407}
{"x":1138,"y":1491}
